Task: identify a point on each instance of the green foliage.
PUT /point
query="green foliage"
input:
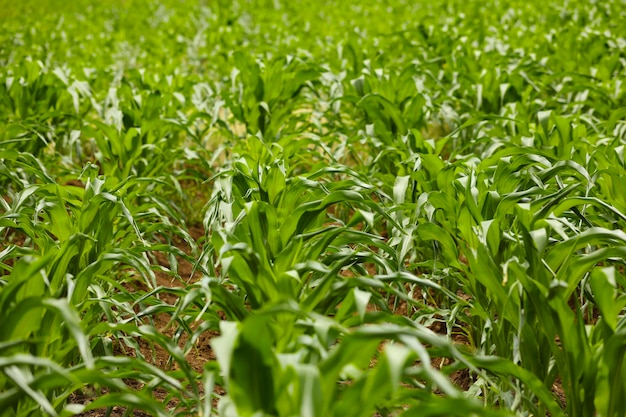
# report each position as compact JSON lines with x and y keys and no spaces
{"x":356,"y":208}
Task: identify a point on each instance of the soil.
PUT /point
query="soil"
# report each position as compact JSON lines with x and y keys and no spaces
{"x":14,"y":237}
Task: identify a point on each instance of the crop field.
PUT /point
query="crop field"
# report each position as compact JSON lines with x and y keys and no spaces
{"x":256,"y":208}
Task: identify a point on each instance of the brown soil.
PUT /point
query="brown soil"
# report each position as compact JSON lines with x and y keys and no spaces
{"x":557,"y":390}
{"x":11,"y":237}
